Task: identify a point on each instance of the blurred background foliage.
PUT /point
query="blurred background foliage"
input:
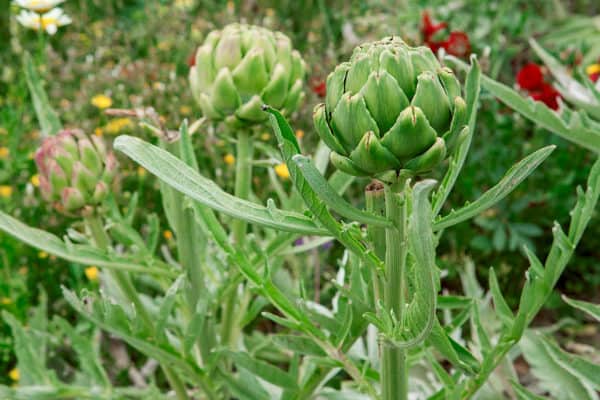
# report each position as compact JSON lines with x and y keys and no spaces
{"x":128,"y":54}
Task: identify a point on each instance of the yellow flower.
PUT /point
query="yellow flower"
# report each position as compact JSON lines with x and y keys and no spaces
{"x":168,"y":234}
{"x":101,"y":101}
{"x":14,"y":374}
{"x":6,"y":191}
{"x":116,"y":125}
{"x":299,"y":133}
{"x":265,"y":136}
{"x":282,"y":171}
{"x":4,"y":152}
{"x":35,"y":180}
{"x":185,"y":110}
{"x":91,"y":273}
{"x":3,"y":131}
{"x":141,"y":172}
{"x":229,"y":159}
{"x":42,"y":255}
{"x":98,"y":132}
{"x":592,"y":69}
{"x":5,"y":301}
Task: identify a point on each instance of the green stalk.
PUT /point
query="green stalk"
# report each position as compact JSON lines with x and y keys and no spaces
{"x":394,"y":374}
{"x":243,"y":183}
{"x":102,"y":241}
{"x":375,"y":202}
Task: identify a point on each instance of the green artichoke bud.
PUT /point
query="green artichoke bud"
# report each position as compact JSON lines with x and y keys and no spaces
{"x":242,"y":67}
{"x":390,"y":107}
{"x":75,"y":171}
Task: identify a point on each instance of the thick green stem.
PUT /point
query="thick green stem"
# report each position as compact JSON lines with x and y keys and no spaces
{"x":375,"y":202}
{"x":394,"y":371}
{"x":126,"y":287}
{"x":243,"y":184}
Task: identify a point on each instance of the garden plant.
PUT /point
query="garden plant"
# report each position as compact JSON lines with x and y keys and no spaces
{"x":236,"y":305}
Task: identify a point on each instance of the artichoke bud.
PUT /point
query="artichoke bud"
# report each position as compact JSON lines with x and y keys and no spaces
{"x":75,"y":171}
{"x":391,"y":107}
{"x":72,"y":199}
{"x":57,"y":177}
{"x":90,"y":157}
{"x":100,"y":192}
{"x":242,"y":67}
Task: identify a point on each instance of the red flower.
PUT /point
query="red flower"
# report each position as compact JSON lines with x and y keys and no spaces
{"x":530,"y":77}
{"x":319,"y":87}
{"x":547,"y":95}
{"x":457,"y":44}
{"x":428,"y":28}
{"x":594,"y":77}
{"x":191,"y":61}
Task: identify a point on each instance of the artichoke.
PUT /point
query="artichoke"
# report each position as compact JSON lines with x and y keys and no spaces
{"x":392,"y":107}
{"x":75,"y":171}
{"x":242,"y":67}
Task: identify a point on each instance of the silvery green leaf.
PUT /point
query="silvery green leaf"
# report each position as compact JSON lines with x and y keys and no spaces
{"x":264,"y":370}
{"x":49,"y":122}
{"x":81,"y":254}
{"x":513,"y":177}
{"x":593,"y":310}
{"x":183,"y":178}
{"x":552,"y":371}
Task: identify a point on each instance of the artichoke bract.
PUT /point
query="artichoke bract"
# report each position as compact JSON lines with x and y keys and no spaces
{"x":242,"y":67}
{"x":75,"y":171}
{"x":392,"y":107}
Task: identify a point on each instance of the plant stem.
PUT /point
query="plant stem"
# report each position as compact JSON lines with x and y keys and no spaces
{"x":243,"y":183}
{"x":102,"y":241}
{"x":375,"y":202}
{"x":394,"y":364}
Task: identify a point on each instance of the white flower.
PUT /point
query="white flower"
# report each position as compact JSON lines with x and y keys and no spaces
{"x":49,"y":21}
{"x":39,"y":6}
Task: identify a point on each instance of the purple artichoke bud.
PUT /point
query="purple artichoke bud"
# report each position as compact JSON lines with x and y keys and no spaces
{"x":75,"y":171}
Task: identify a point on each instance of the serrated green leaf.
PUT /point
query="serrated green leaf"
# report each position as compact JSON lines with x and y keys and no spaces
{"x":331,"y":198}
{"x":81,"y":254}
{"x":264,"y":370}
{"x":29,"y":361}
{"x":457,"y":160}
{"x":504,"y":312}
{"x":289,"y":149}
{"x":513,"y":177}
{"x":183,"y":178}
{"x":299,"y":344}
{"x":88,"y":356}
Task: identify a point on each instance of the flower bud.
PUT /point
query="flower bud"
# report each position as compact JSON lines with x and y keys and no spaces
{"x":75,"y":171}
{"x":391,"y":107}
{"x":242,"y":67}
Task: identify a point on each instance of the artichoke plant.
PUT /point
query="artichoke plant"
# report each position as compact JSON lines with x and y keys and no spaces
{"x":391,"y":107}
{"x":75,"y":171}
{"x":242,"y":67}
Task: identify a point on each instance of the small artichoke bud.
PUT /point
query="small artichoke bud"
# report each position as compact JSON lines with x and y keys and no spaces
{"x":75,"y":171}
{"x":391,"y":107}
{"x":242,"y":67}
